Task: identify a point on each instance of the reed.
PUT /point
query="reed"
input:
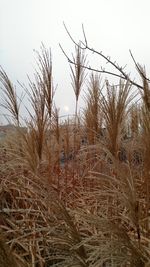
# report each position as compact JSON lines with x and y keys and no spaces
{"x":10,"y":100}
{"x":90,"y":207}
{"x":78,"y":74}
{"x":115,"y":109}
{"x":92,"y":111}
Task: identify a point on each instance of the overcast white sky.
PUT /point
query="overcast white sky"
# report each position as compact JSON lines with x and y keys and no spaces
{"x":113,"y":26}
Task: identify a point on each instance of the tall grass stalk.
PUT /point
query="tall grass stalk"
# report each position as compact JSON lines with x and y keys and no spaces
{"x":10,"y":100}
{"x":115,"y":109}
{"x":92,"y":111}
{"x":78,"y":74}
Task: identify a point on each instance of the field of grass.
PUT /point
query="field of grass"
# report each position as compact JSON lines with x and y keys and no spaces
{"x":76,"y":192}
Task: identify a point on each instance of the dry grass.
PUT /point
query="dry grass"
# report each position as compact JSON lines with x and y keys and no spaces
{"x":92,"y":113}
{"x":76,"y":193}
{"x":78,"y":73}
{"x":10,"y":99}
{"x":115,"y":110}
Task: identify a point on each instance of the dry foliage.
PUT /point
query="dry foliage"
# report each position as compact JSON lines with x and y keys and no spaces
{"x":76,"y":193}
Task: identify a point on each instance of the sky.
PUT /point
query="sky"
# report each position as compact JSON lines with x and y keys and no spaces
{"x":111,"y":26}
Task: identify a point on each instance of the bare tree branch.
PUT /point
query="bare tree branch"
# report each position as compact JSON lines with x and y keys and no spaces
{"x":90,"y":68}
{"x":122,"y":74}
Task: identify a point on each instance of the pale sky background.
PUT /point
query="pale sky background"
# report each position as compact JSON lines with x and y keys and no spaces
{"x":112,"y":26}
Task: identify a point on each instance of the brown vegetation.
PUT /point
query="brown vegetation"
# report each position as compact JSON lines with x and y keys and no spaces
{"x":77,"y":192}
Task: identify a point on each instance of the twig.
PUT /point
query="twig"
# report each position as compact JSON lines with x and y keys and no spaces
{"x":122,"y":74}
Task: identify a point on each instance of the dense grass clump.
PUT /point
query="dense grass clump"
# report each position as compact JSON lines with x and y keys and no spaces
{"x":76,"y":192}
